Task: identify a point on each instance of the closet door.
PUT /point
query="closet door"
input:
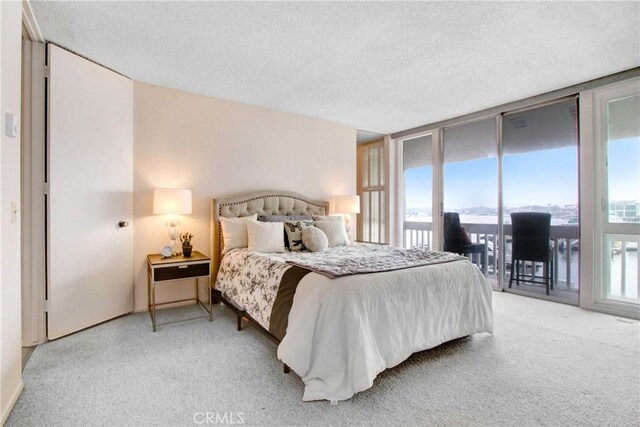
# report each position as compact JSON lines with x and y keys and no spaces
{"x":90,"y":153}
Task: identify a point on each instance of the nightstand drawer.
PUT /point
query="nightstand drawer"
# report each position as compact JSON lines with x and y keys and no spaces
{"x":181,"y":272}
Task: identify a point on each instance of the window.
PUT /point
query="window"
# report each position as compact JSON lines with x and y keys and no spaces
{"x":371,"y":188}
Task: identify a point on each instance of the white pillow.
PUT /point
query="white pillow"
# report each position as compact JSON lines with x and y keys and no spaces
{"x":234,"y":232}
{"x":314,"y":239}
{"x":335,"y":231}
{"x":265,"y":236}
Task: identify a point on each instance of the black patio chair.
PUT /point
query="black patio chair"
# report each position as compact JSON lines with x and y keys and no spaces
{"x":530,"y":242}
{"x":457,"y":240}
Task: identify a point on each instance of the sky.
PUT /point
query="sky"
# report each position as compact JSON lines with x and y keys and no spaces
{"x":624,"y":169}
{"x":533,"y":178}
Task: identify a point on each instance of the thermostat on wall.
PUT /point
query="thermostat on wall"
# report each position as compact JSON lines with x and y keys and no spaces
{"x":11,"y":125}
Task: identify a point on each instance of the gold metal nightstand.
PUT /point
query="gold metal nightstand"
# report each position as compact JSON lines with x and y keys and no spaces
{"x":160,"y":270}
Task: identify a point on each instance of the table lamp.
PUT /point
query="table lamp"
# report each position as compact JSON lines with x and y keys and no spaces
{"x":172,"y":202}
{"x":347,"y":205}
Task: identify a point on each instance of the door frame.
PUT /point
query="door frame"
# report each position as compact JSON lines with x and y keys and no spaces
{"x":33,"y":189}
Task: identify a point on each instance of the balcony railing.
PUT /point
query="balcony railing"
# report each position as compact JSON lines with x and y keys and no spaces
{"x":565,"y":245}
{"x":622,"y":268}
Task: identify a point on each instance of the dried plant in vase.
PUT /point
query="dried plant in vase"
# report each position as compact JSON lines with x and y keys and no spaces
{"x":185,"y":239}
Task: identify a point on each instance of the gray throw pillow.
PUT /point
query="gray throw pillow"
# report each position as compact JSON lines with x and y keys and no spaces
{"x":327,"y":217}
{"x":314,"y":239}
{"x":283,"y":218}
{"x":294,"y":233}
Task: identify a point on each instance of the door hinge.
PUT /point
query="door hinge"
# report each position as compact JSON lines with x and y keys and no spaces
{"x":45,"y":188}
{"x":46,"y":73}
{"x":603,"y":203}
{"x":46,"y":306}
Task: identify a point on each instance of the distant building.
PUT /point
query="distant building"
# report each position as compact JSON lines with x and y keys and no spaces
{"x":627,"y":211}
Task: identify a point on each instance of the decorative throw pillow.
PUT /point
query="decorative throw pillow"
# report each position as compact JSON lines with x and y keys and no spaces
{"x":294,"y":233}
{"x":272,"y":218}
{"x":314,"y":239}
{"x":234,"y":232}
{"x":283,"y":218}
{"x":335,"y":231}
{"x":265,"y":236}
{"x":327,"y":218}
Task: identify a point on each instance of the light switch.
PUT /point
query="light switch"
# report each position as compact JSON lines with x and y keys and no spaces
{"x":12,"y":125}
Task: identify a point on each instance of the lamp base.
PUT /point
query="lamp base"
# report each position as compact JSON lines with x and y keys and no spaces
{"x":172,"y":223}
{"x":347,"y":223}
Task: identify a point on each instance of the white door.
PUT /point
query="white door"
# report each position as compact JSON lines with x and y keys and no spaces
{"x":90,"y":151}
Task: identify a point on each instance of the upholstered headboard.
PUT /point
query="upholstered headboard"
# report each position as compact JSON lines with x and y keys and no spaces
{"x":261,"y":203}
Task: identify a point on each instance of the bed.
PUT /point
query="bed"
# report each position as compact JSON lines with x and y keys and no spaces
{"x":338,"y":324}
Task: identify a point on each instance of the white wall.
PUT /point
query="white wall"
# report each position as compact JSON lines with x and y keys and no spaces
{"x":218,"y":148}
{"x":10,"y":318}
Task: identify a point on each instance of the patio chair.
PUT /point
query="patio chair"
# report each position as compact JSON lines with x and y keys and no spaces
{"x":457,"y":240}
{"x":530,"y":242}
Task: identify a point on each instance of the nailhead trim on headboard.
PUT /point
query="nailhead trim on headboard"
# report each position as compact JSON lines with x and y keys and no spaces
{"x":266,"y":196}
{"x":272,"y":195}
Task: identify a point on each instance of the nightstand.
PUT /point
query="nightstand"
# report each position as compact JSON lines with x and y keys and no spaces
{"x":162,"y":270}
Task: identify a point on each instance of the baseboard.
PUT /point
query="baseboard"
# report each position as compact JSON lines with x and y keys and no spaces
{"x":613,"y":310}
{"x":14,"y":398}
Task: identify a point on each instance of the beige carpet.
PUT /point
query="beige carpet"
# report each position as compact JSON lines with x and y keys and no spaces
{"x":546,"y":364}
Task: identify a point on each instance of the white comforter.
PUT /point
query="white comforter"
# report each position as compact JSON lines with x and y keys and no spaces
{"x":343,"y":332}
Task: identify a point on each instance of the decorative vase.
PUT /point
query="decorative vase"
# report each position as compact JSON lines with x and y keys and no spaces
{"x":186,"y":251}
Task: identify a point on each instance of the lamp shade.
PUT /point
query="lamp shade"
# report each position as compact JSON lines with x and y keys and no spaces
{"x":347,"y":204}
{"x":171,"y":201}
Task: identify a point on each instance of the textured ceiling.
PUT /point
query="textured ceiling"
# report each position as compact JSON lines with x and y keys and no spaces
{"x":378,"y":66}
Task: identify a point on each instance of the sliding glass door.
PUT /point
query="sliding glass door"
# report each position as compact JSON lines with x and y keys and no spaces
{"x":540,"y":176}
{"x":470,"y":190}
{"x":479,"y":173}
{"x":495,"y":174}
{"x":417,"y":178}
